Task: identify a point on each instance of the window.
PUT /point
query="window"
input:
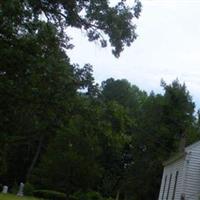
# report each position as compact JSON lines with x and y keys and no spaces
{"x":164,"y":187}
{"x":175,"y":183}
{"x":170,"y":179}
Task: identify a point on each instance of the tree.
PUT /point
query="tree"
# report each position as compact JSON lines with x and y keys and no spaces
{"x":125,"y":94}
{"x":162,"y":120}
{"x":151,"y":145}
{"x":38,"y":86}
{"x":96,"y":17}
{"x":178,"y":110}
{"x":70,"y":162}
{"x":38,"y":83}
{"x":89,"y":149}
{"x":121,"y":94}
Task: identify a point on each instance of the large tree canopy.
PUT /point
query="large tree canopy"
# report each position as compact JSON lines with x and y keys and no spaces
{"x":96,"y":17}
{"x":58,"y":129}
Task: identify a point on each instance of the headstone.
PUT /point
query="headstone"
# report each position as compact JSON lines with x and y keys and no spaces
{"x":21,"y":190}
{"x":5,"y":189}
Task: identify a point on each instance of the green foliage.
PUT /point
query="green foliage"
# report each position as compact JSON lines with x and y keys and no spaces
{"x":123,"y":93}
{"x":50,"y":194}
{"x":91,"y":195}
{"x":96,"y":17}
{"x":28,"y":189}
{"x":179,"y":108}
{"x":70,"y":134}
{"x":14,"y":188}
{"x":78,"y":158}
{"x":40,"y":89}
{"x":39,"y":86}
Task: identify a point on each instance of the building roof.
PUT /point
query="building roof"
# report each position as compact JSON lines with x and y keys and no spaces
{"x":179,"y":155}
{"x":192,"y":145}
{"x":174,"y":158}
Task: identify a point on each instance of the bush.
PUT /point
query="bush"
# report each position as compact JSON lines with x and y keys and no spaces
{"x":14,"y":188}
{"x":28,"y":189}
{"x":50,"y":194}
{"x":92,"y":195}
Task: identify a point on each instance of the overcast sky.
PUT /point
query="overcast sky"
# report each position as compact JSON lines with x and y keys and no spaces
{"x":168,"y":47}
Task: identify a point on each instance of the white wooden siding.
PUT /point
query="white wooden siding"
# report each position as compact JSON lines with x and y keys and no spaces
{"x":168,"y":170}
{"x":192,"y":175}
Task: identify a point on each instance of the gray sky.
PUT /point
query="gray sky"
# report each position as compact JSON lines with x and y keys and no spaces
{"x":168,"y":47}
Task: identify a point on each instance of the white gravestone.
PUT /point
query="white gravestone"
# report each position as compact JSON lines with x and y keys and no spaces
{"x":21,"y":190}
{"x":5,"y":189}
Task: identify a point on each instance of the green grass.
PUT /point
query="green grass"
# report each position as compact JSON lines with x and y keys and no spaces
{"x":14,"y":197}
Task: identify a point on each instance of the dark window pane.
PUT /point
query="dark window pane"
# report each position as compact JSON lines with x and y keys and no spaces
{"x":175,"y":183}
{"x":170,"y":179}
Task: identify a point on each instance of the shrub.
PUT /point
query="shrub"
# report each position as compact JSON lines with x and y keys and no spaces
{"x":28,"y":189}
{"x":92,"y":195}
{"x":14,"y":188}
{"x":50,"y":194}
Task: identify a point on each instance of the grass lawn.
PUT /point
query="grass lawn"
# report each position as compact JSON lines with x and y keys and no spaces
{"x":14,"y":197}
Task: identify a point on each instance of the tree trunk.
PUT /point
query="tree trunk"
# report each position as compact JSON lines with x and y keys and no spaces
{"x":125,"y":196}
{"x":182,"y":143}
{"x":35,"y":158}
{"x":117,"y":195}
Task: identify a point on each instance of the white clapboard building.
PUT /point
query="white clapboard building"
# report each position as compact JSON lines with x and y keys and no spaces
{"x":181,"y":175}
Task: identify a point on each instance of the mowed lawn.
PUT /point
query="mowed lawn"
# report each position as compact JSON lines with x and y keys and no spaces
{"x":14,"y":197}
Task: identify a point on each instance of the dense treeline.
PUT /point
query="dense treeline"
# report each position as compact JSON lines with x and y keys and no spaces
{"x":59,"y":130}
